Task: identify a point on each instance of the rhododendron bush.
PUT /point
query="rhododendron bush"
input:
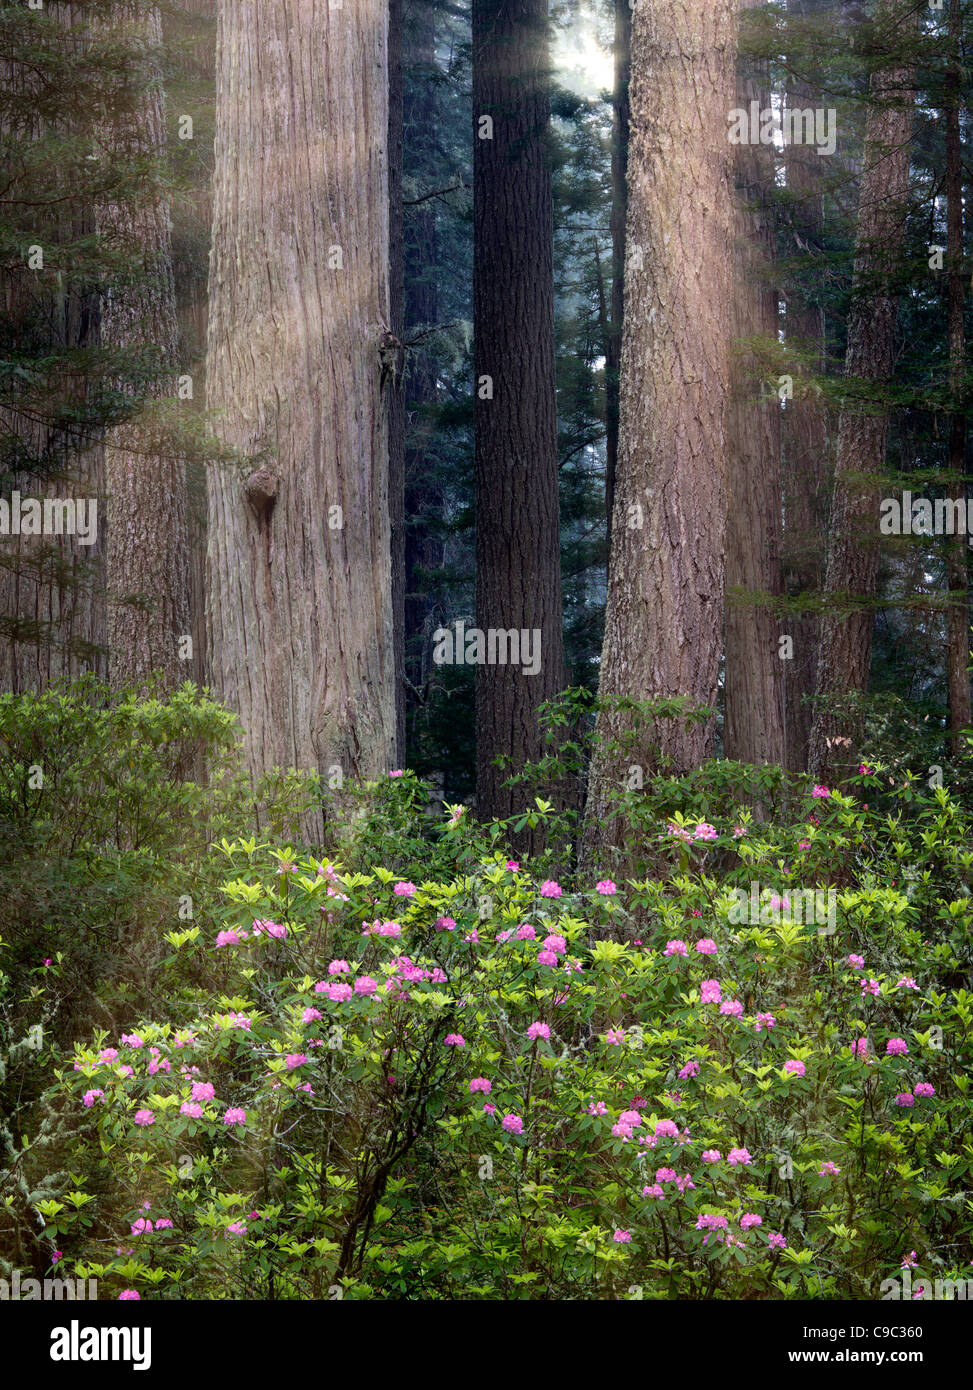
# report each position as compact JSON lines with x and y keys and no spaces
{"x":500,"y":1082}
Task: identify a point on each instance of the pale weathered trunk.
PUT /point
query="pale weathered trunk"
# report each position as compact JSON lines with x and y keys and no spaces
{"x":518,"y":567}
{"x":850,"y":582}
{"x":299,"y":609}
{"x":805,"y":421}
{"x":396,"y":387}
{"x":753,"y":682}
{"x":663,"y":625}
{"x":958,"y":646}
{"x":148,"y":569}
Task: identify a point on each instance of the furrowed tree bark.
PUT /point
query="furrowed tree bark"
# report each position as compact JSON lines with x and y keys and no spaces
{"x":850,"y":582}
{"x":148,"y":565}
{"x":298,"y":364}
{"x":753,"y":682}
{"x":958,"y":649}
{"x":664,"y":618}
{"x":804,"y":425}
{"x":518,"y":570}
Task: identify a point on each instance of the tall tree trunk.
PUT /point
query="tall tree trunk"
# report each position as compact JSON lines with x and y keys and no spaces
{"x":148,"y":574}
{"x":958,"y":655}
{"x":753,"y":682}
{"x":804,"y":424}
{"x":846,"y":627}
{"x":663,"y":624}
{"x":396,"y":388}
{"x":518,"y":569}
{"x":299,"y":603}
{"x":619,"y":162}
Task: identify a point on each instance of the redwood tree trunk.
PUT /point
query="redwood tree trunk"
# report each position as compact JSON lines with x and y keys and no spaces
{"x":518,"y":569}
{"x":619,"y":163}
{"x":663,"y":624}
{"x":148,"y":570}
{"x":804,"y":423}
{"x":753,"y":685}
{"x":299,"y":613}
{"x":846,"y":626}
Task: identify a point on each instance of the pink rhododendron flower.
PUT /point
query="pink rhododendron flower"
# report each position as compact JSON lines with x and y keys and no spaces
{"x":546,"y":958}
{"x":794,"y":1067}
{"x":667,"y":1129}
{"x":230,"y":938}
{"x":397,"y":772}
{"x":739,"y":1157}
{"x":144,"y":1117}
{"x":675,"y":948}
{"x":295,"y":1059}
{"x":108,"y":1054}
{"x":706,"y":947}
{"x":90,"y":1097}
{"x":310,"y":1015}
{"x":363,"y":985}
{"x":905,"y":1098}
{"x":132,"y":1040}
{"x":550,"y":888}
{"x":764,"y":1020}
{"x":654,"y":1191}
{"x":164,"y":1223}
{"x":203,"y":1090}
{"x":525,"y":932}
{"x":341,"y":990}
{"x":445,"y":924}
{"x":235,"y":1116}
{"x":488,"y":1108}
{"x":690,"y":1069}
{"x":622,"y":1237}
{"x":538,"y":1030}
{"x":141,"y":1226}
{"x":706,"y":1221}
{"x":454,"y":1040}
{"x":267,"y":928}
{"x":705,"y":831}
{"x":776,"y":1241}
{"x":615,"y":1037}
{"x":630,"y":1117}
{"x":923,"y":1088}
{"x":237,"y":1228}
{"x":513,"y":1124}
{"x":404,"y":890}
{"x":896,"y":1047}
{"x":871,"y":987}
{"x":820,"y":791}
{"x":480,"y":1083}
{"x":665,"y":1175}
{"x":910,"y":1261}
{"x":857,"y":962}
{"x":129,"y":1295}
{"x":191,"y":1108}
{"x":605,"y":887}
{"x":513,"y":865}
{"x":750,"y":1219}
{"x":828,"y":1169}
{"x":338,"y":967}
{"x":555,"y":943}
{"x":906,"y":982}
{"x":710,"y":992}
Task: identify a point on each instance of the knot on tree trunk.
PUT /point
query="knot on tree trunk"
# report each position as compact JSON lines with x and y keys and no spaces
{"x":261,"y":492}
